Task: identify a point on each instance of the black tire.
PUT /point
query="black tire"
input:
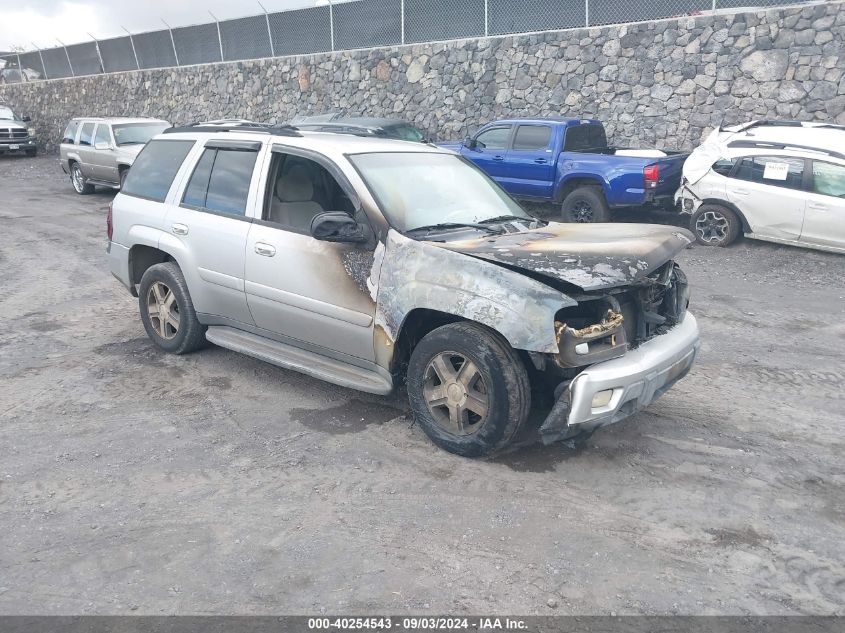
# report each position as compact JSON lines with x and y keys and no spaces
{"x":77,"y":179}
{"x":715,"y":225}
{"x":500,"y":372}
{"x":585,"y":204}
{"x":123,"y":174}
{"x":190,"y":334}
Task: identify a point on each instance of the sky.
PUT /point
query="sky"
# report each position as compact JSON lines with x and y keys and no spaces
{"x":23,"y":22}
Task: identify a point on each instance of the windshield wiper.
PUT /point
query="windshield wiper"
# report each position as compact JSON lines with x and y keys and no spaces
{"x":512,"y":218}
{"x":456,"y":225}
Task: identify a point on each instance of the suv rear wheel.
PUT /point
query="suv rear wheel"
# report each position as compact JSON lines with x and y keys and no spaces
{"x":714,"y":225}
{"x":468,"y":389}
{"x":123,"y":174}
{"x":80,"y":185}
{"x":167,"y":311}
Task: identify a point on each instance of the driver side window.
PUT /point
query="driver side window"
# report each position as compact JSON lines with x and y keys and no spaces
{"x":497,"y":138}
{"x":299,"y":189}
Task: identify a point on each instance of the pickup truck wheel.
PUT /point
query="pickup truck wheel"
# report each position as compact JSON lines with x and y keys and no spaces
{"x":714,"y":225}
{"x":468,"y":389}
{"x":78,"y":180}
{"x":167,"y":311}
{"x":585,"y":204}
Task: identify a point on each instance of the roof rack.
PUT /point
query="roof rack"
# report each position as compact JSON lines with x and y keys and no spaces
{"x":776,"y":145}
{"x":236,"y":126}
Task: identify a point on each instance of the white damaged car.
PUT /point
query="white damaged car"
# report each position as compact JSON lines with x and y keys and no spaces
{"x":782,"y":182}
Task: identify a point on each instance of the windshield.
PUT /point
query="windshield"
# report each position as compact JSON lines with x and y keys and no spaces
{"x":420,"y":189}
{"x":404,"y":133}
{"x":6,"y":114}
{"x":137,"y":133}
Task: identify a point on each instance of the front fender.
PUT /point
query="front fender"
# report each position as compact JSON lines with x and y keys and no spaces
{"x":422,"y":275}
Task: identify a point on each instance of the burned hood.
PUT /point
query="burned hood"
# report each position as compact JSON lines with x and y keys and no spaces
{"x":589,"y":256}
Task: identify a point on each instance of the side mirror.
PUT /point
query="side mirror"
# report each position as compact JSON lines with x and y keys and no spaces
{"x":337,"y":226}
{"x":102,"y":145}
{"x":26,"y":119}
{"x":470,"y":143}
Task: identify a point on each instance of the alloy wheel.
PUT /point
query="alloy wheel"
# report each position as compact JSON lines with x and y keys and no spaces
{"x":163,"y":310}
{"x":582,"y":211}
{"x":456,"y":393}
{"x":712,"y":227}
{"x":76,"y":178}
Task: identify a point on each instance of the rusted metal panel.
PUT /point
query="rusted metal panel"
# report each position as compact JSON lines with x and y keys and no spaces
{"x":418,"y":274}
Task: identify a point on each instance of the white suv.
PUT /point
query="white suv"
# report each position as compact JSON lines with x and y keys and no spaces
{"x":371,"y":263}
{"x":782,"y":182}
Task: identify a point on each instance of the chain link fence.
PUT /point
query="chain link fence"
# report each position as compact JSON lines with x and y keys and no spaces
{"x":344,"y":25}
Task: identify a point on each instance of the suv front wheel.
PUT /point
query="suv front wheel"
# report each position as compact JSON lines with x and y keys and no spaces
{"x":468,"y":389}
{"x":77,"y":179}
{"x":167,"y":311}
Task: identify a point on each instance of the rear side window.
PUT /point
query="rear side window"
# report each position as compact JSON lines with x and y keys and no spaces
{"x":102,"y":135}
{"x":86,"y":134}
{"x":155,"y":168}
{"x":220,"y":181}
{"x":532,"y":137}
{"x":778,"y":171}
{"x":724,"y":166}
{"x":829,"y":179}
{"x":585,"y":138}
{"x":70,"y":132}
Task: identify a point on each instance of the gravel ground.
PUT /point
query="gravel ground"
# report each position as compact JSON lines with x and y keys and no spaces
{"x":136,"y":482}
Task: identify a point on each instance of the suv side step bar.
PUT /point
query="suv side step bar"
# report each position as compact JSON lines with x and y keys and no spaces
{"x":300,"y":360}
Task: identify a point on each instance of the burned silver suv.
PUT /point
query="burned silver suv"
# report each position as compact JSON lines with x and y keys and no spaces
{"x":374,"y":263}
{"x":98,"y":151}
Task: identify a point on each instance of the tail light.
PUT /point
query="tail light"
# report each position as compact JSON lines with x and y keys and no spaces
{"x":109,"y":223}
{"x":652,"y":175}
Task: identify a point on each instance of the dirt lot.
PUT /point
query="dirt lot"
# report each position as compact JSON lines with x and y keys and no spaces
{"x":136,"y":482}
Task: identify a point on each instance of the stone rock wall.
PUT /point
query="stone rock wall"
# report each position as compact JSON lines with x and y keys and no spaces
{"x":663,"y":83}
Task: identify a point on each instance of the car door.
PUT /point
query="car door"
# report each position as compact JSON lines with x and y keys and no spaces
{"x":103,"y":163}
{"x":309,"y":292}
{"x":824,"y":223}
{"x":85,"y":148}
{"x":770,"y":193}
{"x":530,"y":162}
{"x":489,"y":151}
{"x":212,"y":223}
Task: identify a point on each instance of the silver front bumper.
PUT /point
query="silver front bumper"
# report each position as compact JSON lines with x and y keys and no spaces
{"x":636,"y":379}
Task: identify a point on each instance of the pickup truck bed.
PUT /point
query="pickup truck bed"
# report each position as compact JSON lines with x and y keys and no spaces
{"x":569,"y":162}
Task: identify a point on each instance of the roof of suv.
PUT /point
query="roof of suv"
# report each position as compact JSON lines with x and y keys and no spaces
{"x":325,"y":142}
{"x":119,"y":119}
{"x":803,"y":136}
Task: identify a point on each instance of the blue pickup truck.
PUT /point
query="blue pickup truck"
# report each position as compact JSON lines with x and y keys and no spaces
{"x":568,"y":162}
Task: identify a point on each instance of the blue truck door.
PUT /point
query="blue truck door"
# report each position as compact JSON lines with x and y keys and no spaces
{"x":531,"y":162}
{"x":490,"y":151}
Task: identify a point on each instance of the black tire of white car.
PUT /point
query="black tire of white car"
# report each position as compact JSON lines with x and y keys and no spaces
{"x":80,"y":186}
{"x":585,"y":204}
{"x":495,"y":373}
{"x":715,"y":225}
{"x":171,"y":322}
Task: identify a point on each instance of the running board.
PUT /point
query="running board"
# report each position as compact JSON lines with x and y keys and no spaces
{"x":300,"y":360}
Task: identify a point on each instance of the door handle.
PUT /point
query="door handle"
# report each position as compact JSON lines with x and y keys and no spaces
{"x":540,"y":161}
{"x":265,"y":250}
{"x":179,"y":229}
{"x":817,"y":206}
{"x":498,"y":158}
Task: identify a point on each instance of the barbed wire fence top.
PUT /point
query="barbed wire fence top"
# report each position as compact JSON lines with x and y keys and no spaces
{"x":337,"y":26}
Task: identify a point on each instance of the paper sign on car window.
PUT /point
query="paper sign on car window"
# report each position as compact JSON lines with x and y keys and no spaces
{"x":776,"y":171}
